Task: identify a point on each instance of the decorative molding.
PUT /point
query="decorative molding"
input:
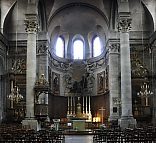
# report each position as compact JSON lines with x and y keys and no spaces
{"x":19,"y":66}
{"x":138,"y":69}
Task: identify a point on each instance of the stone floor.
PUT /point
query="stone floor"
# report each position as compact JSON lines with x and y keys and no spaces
{"x":78,"y":139}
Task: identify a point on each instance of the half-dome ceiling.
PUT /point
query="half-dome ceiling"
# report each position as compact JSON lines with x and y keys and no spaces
{"x":78,"y":20}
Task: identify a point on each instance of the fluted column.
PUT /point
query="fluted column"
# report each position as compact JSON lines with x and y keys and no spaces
{"x":124,"y":26}
{"x":114,"y":81}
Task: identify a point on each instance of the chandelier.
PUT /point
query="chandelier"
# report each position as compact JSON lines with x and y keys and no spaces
{"x":145,"y":92}
{"x":14,"y":96}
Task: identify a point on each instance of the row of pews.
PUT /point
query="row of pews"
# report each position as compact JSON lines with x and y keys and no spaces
{"x":16,"y":134}
{"x":129,"y":135}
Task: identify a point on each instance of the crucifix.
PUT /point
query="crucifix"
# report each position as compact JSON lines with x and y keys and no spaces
{"x":102,"y":111}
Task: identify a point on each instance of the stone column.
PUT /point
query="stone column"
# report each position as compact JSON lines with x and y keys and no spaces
{"x":114,"y":82}
{"x":31,"y":29}
{"x":127,"y":119}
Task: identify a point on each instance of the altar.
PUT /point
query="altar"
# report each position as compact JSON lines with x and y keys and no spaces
{"x":78,"y":124}
{"x":79,"y":120}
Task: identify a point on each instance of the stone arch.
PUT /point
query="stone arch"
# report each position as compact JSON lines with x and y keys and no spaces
{"x":150,"y":8}
{"x":53,"y":39}
{"x":8,"y":17}
{"x":102,"y":35}
{"x":100,"y":32}
{"x":149,"y":17}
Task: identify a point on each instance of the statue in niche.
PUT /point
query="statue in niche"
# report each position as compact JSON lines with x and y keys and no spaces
{"x":68,"y":83}
{"x":101,"y":77}
{"x":83,"y":82}
{"x":100,"y":82}
{"x":90,"y":80}
{"x":56,"y":84}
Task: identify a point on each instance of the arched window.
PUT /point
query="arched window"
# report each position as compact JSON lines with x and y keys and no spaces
{"x":60,"y":47}
{"x":96,"y":47}
{"x":78,"y":49}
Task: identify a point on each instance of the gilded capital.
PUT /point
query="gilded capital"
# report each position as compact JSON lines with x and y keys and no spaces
{"x":124,"y":24}
{"x":31,"y":25}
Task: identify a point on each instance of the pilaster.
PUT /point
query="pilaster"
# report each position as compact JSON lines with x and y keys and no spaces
{"x":114,"y":81}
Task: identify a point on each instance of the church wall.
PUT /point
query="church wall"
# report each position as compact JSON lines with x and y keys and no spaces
{"x":99,"y":102}
{"x":3,"y":68}
{"x":57,"y":106}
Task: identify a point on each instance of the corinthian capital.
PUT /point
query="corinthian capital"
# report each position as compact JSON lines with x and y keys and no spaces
{"x":124,"y":24}
{"x":114,"y":48}
{"x":31,"y":25}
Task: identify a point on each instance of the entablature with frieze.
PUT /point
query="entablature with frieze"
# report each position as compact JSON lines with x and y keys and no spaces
{"x":65,"y":64}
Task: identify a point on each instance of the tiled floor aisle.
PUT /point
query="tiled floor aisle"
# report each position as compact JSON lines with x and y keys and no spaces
{"x":79,"y":139}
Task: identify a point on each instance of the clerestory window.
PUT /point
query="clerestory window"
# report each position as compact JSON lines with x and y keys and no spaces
{"x":97,"y":50}
{"x":78,"y":48}
{"x":60,"y":47}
